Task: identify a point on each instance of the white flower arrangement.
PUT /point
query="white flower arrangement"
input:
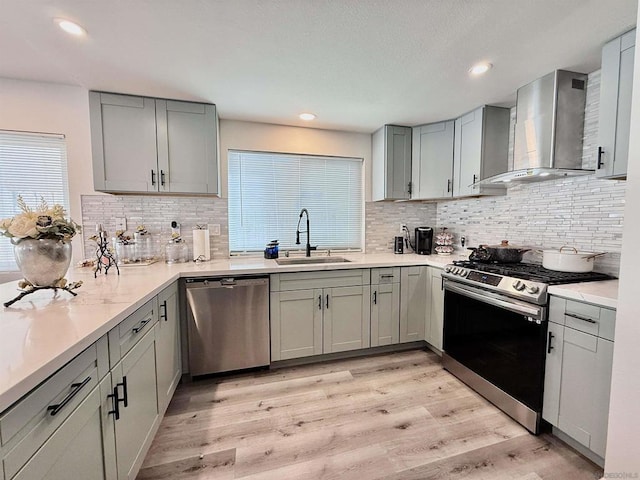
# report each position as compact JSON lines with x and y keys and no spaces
{"x":43,"y":222}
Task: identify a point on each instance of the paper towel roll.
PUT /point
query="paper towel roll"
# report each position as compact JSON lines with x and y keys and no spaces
{"x":201,"y":250}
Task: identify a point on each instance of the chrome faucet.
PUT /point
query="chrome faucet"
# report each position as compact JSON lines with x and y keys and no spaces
{"x":298,"y":232}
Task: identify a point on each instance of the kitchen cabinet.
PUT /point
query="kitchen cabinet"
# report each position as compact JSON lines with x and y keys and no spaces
{"x":616,"y":87}
{"x":134,"y":380}
{"x":432,"y":165}
{"x":168,"y":353}
{"x":145,"y":145}
{"x":578,"y":371}
{"x":81,"y":448}
{"x":391,"y":163}
{"x":385,"y":306}
{"x":413,"y":303}
{"x":435,"y":325}
{"x":319,"y":312}
{"x":481,"y":150}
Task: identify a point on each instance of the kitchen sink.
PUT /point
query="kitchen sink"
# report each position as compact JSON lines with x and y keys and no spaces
{"x":310,"y":260}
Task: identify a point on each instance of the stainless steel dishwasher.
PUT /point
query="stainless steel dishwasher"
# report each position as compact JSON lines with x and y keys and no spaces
{"x":228,"y":322}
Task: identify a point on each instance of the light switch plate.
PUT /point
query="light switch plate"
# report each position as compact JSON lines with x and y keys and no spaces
{"x":214,"y":229}
{"x":121,"y":224}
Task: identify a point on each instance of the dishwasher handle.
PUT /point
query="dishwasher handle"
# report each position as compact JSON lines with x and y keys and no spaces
{"x":225,"y":282}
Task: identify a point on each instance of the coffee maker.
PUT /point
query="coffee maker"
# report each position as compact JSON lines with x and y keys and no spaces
{"x":424,"y":240}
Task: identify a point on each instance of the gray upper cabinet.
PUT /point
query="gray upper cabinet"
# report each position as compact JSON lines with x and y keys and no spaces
{"x":432,"y":170}
{"x":391,"y":160}
{"x":481,"y":150}
{"x":144,"y":145}
{"x":616,"y":86}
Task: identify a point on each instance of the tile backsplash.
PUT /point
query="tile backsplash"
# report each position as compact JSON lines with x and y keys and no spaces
{"x":583,"y":212}
{"x":156,"y":213}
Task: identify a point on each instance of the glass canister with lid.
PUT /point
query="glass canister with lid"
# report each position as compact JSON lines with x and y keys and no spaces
{"x":176,"y":250}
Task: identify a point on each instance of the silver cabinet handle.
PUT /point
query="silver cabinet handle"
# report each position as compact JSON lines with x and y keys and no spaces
{"x":579,"y":317}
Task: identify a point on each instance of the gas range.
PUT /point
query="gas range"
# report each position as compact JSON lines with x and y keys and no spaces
{"x":524,"y":281}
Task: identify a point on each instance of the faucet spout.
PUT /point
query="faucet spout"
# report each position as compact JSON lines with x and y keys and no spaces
{"x":298,"y":232}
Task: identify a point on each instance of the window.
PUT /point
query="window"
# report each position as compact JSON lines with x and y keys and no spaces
{"x":268,"y":190}
{"x":33,"y":165}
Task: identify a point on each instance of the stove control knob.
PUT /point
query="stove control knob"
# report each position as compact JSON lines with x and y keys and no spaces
{"x":532,"y":289}
{"x":463,"y":272}
{"x":518,"y":285}
{"x":448,"y":269}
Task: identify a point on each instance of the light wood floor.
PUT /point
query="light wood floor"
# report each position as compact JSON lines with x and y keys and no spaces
{"x":394,"y":416}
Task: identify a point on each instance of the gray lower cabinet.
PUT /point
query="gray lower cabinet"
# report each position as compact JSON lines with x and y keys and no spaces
{"x":481,"y":150}
{"x":134,"y":380}
{"x":432,"y":162}
{"x":144,"y":145}
{"x":435,"y":325}
{"x":391,"y":163}
{"x":82,"y":447}
{"x":616,"y":88}
{"x":168,"y":353}
{"x":578,"y":371}
{"x":385,"y":306}
{"x":413,"y":303}
{"x":319,"y":312}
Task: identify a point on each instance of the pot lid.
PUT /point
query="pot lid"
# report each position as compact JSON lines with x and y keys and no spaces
{"x":504,"y":245}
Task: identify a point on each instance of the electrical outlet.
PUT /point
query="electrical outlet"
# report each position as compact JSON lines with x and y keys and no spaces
{"x":214,"y":229}
{"x":121,"y":224}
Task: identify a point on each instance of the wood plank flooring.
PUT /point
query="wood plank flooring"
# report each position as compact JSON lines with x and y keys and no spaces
{"x":396,"y":416}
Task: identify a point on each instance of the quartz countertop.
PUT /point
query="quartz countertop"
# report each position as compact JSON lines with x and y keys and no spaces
{"x":43,"y":331}
{"x":604,"y":293}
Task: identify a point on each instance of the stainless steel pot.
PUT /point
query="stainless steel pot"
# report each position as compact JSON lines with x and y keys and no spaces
{"x":569,"y":259}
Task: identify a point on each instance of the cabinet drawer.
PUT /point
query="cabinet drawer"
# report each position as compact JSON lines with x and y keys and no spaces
{"x":380,"y":276}
{"x":583,"y":317}
{"x":27,"y":425}
{"x":308,"y":280}
{"x":123,"y":337}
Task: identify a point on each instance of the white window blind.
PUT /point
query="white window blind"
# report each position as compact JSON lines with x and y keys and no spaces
{"x":33,"y":165}
{"x":268,"y":190}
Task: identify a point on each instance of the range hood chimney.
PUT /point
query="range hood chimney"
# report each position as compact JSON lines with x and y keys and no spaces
{"x":549,"y":129}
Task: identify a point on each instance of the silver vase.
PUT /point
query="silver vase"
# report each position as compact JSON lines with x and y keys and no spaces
{"x":42,"y":262}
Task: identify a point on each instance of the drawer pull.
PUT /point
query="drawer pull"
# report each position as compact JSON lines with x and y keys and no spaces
{"x":76,"y":387}
{"x":579,"y":317}
{"x":141,"y":326}
{"x":387,"y":275}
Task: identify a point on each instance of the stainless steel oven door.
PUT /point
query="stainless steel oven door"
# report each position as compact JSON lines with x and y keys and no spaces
{"x":496,"y":345}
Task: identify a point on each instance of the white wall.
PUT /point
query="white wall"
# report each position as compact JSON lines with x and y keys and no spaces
{"x":623,"y":445}
{"x":54,"y":108}
{"x":237,"y":135}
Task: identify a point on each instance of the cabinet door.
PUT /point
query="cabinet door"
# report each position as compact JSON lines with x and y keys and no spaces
{"x":553,"y":373}
{"x":616,"y":86}
{"x":433,"y":160}
{"x":347,"y":318}
{"x":123,"y":143}
{"x":187,"y":147}
{"x":135,"y":379}
{"x":296,"y":323}
{"x":436,"y":308}
{"x":83,"y":447}
{"x":467,"y":157}
{"x":584,"y":388}
{"x":168,"y":355}
{"x":385,"y":314}
{"x":398,"y":152}
{"x":413,"y":303}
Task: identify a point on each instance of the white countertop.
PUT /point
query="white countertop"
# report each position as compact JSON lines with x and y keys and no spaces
{"x":43,"y":331}
{"x":603,"y":293}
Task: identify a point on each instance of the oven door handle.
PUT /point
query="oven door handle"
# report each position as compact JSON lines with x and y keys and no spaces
{"x":486,"y":297}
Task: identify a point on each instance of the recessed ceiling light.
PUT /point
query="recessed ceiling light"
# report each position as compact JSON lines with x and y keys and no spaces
{"x":480,"y":68}
{"x":71,"y":27}
{"x":307,"y":116}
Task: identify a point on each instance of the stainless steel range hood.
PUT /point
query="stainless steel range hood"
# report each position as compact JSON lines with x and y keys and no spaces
{"x":549,"y":129}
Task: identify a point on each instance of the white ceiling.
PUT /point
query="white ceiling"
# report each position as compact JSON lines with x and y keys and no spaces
{"x":357,"y":64}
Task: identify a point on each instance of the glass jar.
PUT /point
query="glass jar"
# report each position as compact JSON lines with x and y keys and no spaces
{"x":145,"y":250}
{"x":176,"y":252}
{"x":126,"y":253}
